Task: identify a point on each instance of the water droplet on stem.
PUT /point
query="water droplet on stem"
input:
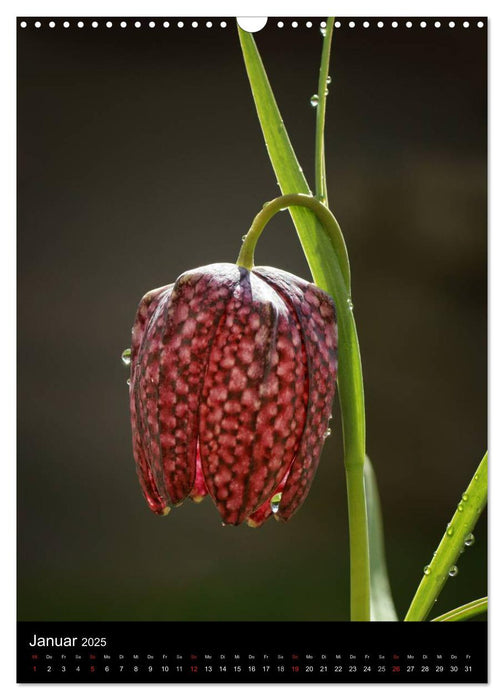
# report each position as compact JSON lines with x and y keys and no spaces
{"x":469,"y":540}
{"x":453,"y":571}
{"x":314,"y":100}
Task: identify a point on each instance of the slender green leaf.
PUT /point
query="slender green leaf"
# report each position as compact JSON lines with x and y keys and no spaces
{"x":320,"y":168}
{"x":464,"y":612}
{"x":382,"y":604}
{"x":452,"y":544}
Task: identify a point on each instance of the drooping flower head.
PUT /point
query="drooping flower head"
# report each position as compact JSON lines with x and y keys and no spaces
{"x":232,"y":380}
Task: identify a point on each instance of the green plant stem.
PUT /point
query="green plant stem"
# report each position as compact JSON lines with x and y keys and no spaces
{"x":452,"y":544}
{"x":320,"y":169}
{"x":324,"y":215}
{"x":464,"y":612}
{"x":360,"y":598}
{"x":350,"y":384}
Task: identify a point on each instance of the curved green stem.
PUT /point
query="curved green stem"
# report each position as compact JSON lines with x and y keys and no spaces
{"x":464,"y":612}
{"x":320,"y":169}
{"x":461,"y":525}
{"x":350,"y":383}
{"x":323,"y":214}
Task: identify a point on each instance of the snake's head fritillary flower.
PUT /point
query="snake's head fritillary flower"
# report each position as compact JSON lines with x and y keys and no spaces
{"x":232,"y":379}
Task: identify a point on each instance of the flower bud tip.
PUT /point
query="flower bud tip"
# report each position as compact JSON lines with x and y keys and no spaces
{"x":251,"y":523}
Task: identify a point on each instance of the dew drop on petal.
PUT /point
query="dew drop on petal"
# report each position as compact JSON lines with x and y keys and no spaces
{"x":126,"y":357}
{"x":128,"y":382}
{"x":453,"y":571}
{"x":314,"y":100}
{"x":275,"y":502}
{"x":469,"y":540}
{"x":327,"y":433}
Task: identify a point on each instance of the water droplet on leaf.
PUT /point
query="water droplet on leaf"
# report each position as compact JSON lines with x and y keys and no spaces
{"x":350,"y":304}
{"x":469,"y":540}
{"x":126,"y":356}
{"x":465,"y":497}
{"x":453,"y":571}
{"x":449,"y":530}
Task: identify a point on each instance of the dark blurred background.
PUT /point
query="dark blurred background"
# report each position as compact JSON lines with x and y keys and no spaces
{"x":140,"y":156}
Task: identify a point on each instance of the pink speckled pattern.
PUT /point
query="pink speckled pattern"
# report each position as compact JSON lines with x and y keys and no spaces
{"x":316,"y":315}
{"x":232,"y":380}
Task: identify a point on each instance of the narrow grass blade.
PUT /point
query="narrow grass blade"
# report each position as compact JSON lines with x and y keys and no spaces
{"x":452,"y":544}
{"x":464,"y":612}
{"x":382,"y":604}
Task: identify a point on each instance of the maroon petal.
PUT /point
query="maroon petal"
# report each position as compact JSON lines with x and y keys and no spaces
{"x":252,"y":408}
{"x":179,"y":364}
{"x":315,"y":312}
{"x":145,"y":310}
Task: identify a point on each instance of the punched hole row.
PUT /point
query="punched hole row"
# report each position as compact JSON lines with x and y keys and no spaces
{"x":209,"y":24}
